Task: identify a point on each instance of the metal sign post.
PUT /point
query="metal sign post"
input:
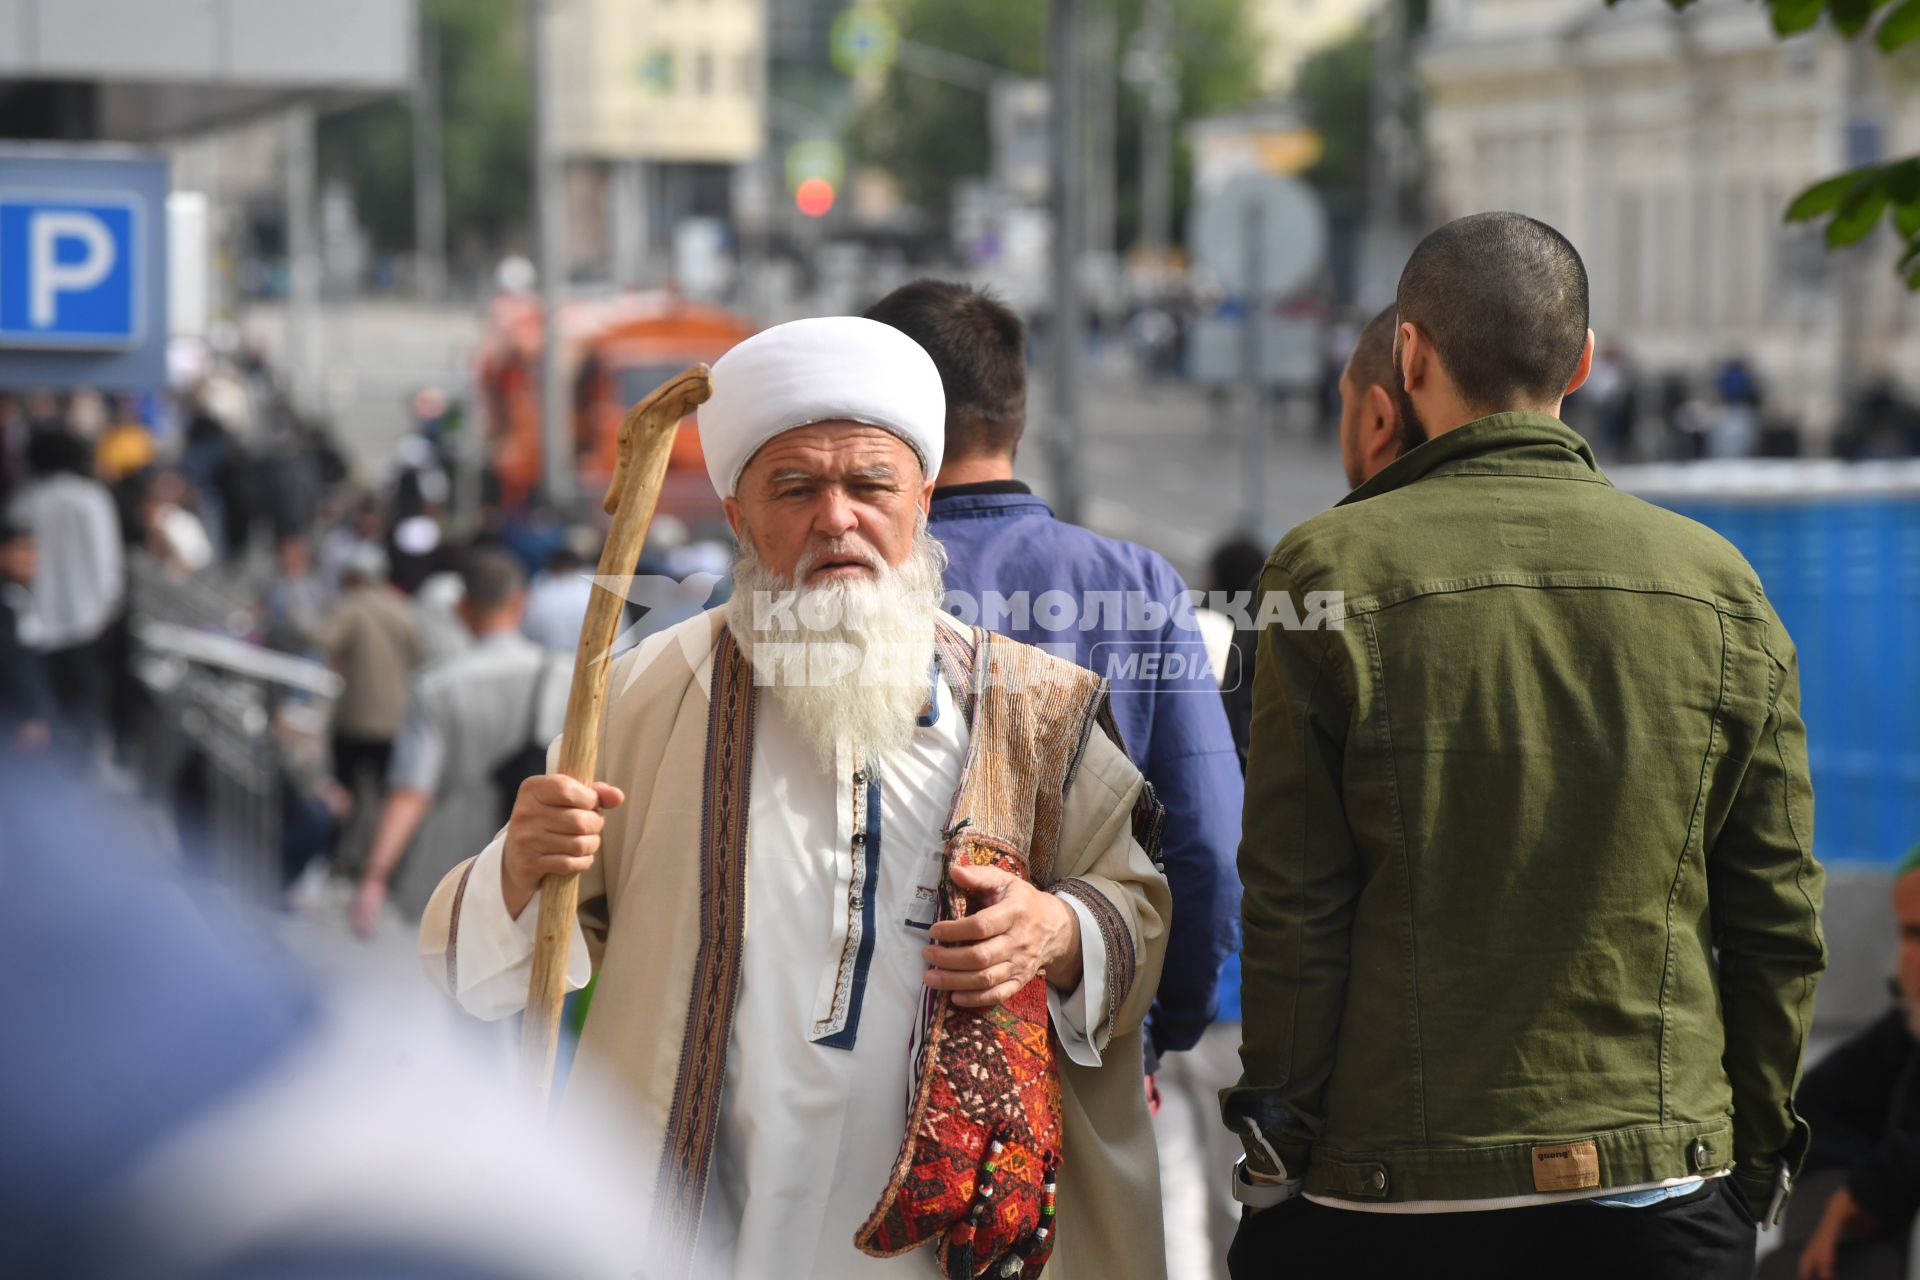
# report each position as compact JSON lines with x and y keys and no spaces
{"x":1259,"y":419}
{"x":1265,"y":238}
{"x":560,"y":483}
{"x":1068,"y":224}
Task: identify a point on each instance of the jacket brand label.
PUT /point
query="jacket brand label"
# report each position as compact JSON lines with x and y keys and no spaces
{"x":1568,"y":1166}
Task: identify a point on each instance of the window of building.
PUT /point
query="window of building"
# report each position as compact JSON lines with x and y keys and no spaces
{"x":1631,"y":260}
{"x":1672,"y":275}
{"x":654,"y":68}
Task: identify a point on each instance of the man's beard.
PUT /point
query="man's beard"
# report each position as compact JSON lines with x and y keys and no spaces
{"x":849,"y":660}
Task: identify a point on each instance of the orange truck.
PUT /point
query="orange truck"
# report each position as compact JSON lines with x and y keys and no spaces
{"x":615,"y":351}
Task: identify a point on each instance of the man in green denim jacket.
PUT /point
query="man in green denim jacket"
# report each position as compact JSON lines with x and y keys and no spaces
{"x":1531,"y":913}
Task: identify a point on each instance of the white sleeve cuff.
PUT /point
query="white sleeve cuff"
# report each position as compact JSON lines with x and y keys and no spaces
{"x":494,"y":958}
{"x":1080,"y":1016}
{"x":1261,"y":1194}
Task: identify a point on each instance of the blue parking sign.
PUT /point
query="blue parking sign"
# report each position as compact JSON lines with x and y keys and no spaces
{"x":69,"y":271}
{"x":83,"y":267}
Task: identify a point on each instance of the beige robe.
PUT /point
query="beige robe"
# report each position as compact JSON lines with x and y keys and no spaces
{"x":642,"y":913}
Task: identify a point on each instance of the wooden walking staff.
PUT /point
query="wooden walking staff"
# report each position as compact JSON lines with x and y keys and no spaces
{"x":646,"y":438}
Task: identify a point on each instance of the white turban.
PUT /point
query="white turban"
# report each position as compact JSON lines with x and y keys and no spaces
{"x":823,"y":370}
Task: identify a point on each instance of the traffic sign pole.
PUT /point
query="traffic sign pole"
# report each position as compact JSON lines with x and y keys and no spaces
{"x":1259,"y":417}
{"x":560,"y":484}
{"x":1068,"y":223}
{"x":303,"y":262}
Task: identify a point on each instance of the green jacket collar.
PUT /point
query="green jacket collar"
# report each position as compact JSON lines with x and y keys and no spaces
{"x":1513,"y":444}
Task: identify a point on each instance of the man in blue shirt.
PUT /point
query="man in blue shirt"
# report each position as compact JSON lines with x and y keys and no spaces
{"x":1108,"y":605}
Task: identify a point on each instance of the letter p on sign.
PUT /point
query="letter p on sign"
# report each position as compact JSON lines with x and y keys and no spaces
{"x":50,"y":275}
{"x":69,"y":275}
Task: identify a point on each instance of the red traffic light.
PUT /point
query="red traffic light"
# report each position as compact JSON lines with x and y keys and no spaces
{"x":814,"y":197}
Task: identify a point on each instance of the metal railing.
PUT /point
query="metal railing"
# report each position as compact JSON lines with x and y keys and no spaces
{"x":226,"y":721}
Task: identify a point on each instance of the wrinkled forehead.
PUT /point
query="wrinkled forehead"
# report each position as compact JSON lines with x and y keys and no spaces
{"x":833,"y":450}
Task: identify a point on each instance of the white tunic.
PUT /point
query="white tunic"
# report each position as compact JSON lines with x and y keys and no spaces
{"x":841,"y":890}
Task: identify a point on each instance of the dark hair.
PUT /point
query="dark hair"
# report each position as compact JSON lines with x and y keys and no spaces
{"x":492,"y":579}
{"x":1503,"y":298}
{"x":12,"y":531}
{"x":1372,"y":362}
{"x":1236,"y":564}
{"x":56,"y":450}
{"x":979,"y":346}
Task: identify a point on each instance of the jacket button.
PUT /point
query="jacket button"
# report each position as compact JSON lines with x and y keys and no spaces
{"x":1379,"y":1180}
{"x":859,"y":838}
{"x":1699,"y":1153}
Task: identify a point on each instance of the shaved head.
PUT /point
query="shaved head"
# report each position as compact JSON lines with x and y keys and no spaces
{"x":1503,"y":299}
{"x":1378,"y":422}
{"x":1371,"y":364}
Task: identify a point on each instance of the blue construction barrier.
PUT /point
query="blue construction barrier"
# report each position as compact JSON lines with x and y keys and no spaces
{"x":1838,"y":548}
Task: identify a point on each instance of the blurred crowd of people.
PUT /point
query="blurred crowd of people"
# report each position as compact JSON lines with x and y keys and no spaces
{"x":1631,"y":413}
{"x":222,"y":508}
{"x":1636,"y":415}
{"x":192,"y":1041}
{"x":92,"y":484}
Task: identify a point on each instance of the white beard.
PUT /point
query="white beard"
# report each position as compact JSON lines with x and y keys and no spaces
{"x":848,"y":660}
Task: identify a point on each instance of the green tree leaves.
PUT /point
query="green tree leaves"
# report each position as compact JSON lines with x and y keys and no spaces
{"x":486,"y":135}
{"x":931,"y":135}
{"x":1791,"y":17}
{"x":1335,"y":85}
{"x":1901,"y":27}
{"x":1855,"y":202}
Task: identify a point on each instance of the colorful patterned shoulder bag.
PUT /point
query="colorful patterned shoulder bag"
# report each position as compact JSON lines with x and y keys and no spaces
{"x":982,"y":1152}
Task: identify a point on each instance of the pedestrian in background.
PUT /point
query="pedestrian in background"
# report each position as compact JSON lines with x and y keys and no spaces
{"x":1853,"y":1212}
{"x":370,"y":642}
{"x":79,"y":579}
{"x":214,"y":462}
{"x":296,"y":601}
{"x":26,"y":698}
{"x":1531,"y":913}
{"x":465,"y":717}
{"x":126,"y":446}
{"x":166,"y":526}
{"x":558,"y":596}
{"x":1001,"y":537}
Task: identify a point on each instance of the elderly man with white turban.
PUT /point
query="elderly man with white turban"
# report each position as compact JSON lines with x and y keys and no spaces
{"x":872,"y":898}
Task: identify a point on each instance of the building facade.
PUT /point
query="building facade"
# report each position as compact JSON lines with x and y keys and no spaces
{"x":661,"y":80}
{"x":657,"y":105}
{"x":1667,"y":147}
